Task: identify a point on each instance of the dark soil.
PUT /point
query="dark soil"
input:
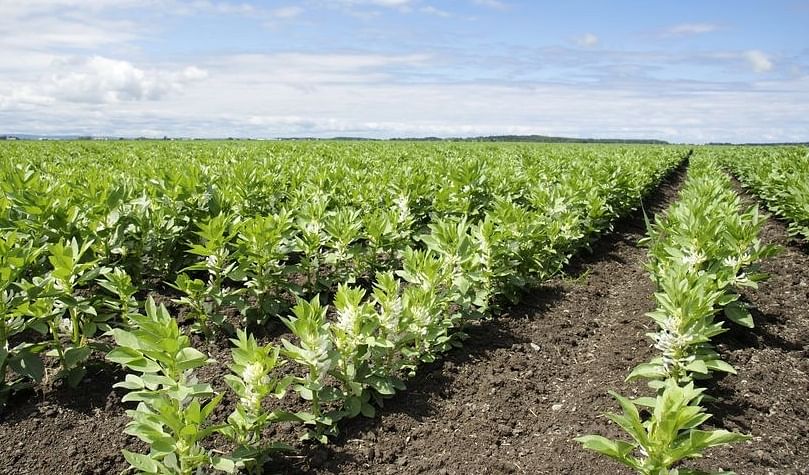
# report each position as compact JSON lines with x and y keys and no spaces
{"x":514,"y":397}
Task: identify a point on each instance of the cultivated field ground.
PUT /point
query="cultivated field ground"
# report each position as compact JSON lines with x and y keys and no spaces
{"x":403,"y":307}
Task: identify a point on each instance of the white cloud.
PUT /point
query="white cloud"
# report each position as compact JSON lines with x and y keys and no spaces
{"x":758,"y":60}
{"x":378,"y":3}
{"x":690,"y":29}
{"x":43,"y":32}
{"x":287,"y":12}
{"x":379,"y":108}
{"x":323,"y":95}
{"x":497,"y":4}
{"x":308,"y":73}
{"x":226,"y":8}
{"x":22,"y":98}
{"x":587,"y":40}
{"x":431,"y":10}
{"x":104,"y":80}
{"x":28,"y":7}
{"x":385,"y":110}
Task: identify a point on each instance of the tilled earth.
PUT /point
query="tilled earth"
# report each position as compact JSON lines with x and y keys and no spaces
{"x":514,"y":397}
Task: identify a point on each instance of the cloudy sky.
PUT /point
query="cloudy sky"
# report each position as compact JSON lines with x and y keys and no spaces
{"x":688,"y":70}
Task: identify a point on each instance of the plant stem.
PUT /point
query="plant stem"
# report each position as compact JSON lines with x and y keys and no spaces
{"x":56,"y":342}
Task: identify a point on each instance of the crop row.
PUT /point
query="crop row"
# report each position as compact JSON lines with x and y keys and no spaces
{"x":87,"y":227}
{"x":703,"y":248}
{"x":405,"y":263}
{"x":777,"y":175}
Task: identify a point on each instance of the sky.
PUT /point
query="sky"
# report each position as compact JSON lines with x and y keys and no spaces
{"x":684,"y":71}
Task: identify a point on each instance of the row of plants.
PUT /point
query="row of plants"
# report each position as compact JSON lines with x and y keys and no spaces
{"x":349,"y":356}
{"x":702,"y":249}
{"x":85,"y":229}
{"x":141,"y":203}
{"x":777,"y":175}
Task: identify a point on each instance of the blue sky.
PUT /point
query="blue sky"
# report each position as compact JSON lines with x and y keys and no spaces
{"x":692,"y":71}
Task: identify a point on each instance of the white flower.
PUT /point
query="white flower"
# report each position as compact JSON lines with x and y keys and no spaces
{"x":253,"y":373}
{"x":731,"y":261}
{"x":346,"y":318}
{"x":250,"y":399}
{"x":423,"y":317}
{"x":693,"y":258}
{"x":66,"y":325}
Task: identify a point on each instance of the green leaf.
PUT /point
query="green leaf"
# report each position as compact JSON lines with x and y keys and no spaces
{"x":727,"y":299}
{"x":719,"y":365}
{"x":130,"y":382}
{"x":153,"y":380}
{"x":133,"y":360}
{"x":739,"y":314}
{"x":368,"y":410}
{"x":125,"y":338}
{"x":630,"y":421}
{"x":74,"y":376}
{"x":697,"y":366}
{"x":223,"y":464}
{"x":76,"y":355}
{"x":615,"y":449}
{"x":305,"y":392}
{"x":208,"y":409}
{"x":28,"y":364}
{"x":703,"y":439}
{"x":141,"y":462}
{"x":648,"y":371}
{"x":189,"y":358}
{"x":382,"y":386}
{"x":645,"y":401}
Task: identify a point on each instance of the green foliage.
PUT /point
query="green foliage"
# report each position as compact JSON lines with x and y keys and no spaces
{"x":316,"y":353}
{"x":702,"y":247}
{"x":119,"y":283}
{"x":171,"y":415}
{"x":700,"y":250}
{"x":408,"y":243}
{"x":55,"y":306}
{"x":668,"y":436}
{"x":207,"y":298}
{"x":779,"y":176}
{"x":15,"y":257}
{"x":263,"y":244}
{"x":252,"y":381}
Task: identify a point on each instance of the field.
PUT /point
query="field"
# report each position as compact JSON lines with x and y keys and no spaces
{"x":403,"y":307}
